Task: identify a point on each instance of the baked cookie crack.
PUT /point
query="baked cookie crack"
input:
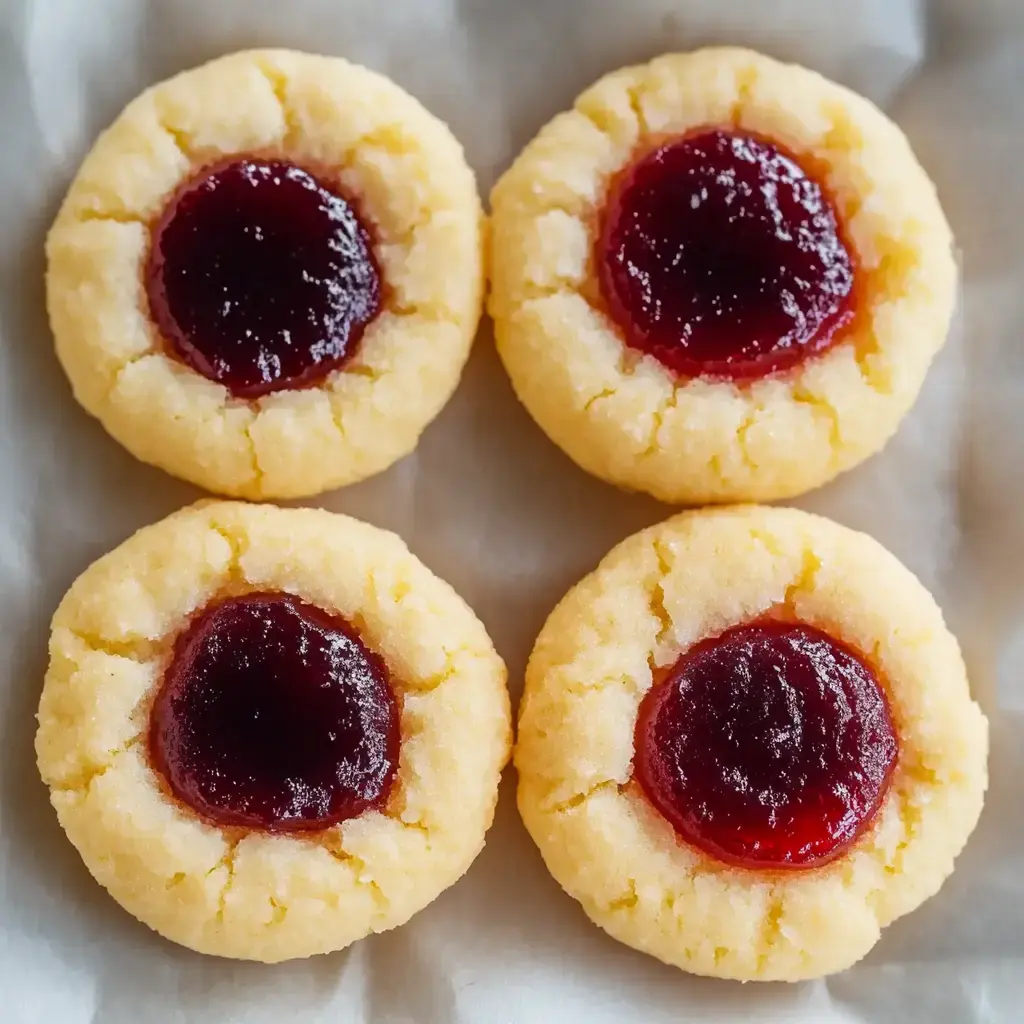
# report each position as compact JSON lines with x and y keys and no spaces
{"x":746,"y":82}
{"x":579,"y":799}
{"x":139,"y":649}
{"x":182,"y":139}
{"x":771,"y":928}
{"x":80,"y":783}
{"x":226,"y":862}
{"x":822,"y":407}
{"x":804,"y":583}
{"x":111,"y":217}
{"x":278,"y":82}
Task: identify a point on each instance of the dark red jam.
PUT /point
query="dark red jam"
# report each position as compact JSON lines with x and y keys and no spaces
{"x":273,"y":715}
{"x":721,"y":256}
{"x":260,"y":277}
{"x":770,"y":746}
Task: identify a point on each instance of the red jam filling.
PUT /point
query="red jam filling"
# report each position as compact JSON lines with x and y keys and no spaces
{"x":260,"y":277}
{"x":721,"y":256}
{"x":273,"y":715}
{"x":770,"y":746}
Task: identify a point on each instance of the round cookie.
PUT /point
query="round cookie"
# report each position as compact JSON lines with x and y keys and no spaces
{"x":719,"y":278}
{"x":269,"y":732}
{"x":267,"y":274}
{"x":728,"y":886}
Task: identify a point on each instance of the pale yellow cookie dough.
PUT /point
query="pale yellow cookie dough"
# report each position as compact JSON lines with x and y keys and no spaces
{"x":415,"y":189}
{"x":620,"y":414}
{"x":650,"y":599}
{"x":251,"y":894}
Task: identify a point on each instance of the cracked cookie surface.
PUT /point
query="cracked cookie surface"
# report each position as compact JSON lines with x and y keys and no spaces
{"x":621,"y":414}
{"x":241,"y":892}
{"x":413,"y":188}
{"x":654,"y":597}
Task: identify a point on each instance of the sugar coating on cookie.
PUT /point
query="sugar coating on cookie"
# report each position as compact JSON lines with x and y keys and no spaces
{"x":719,"y":277}
{"x":662,"y":595}
{"x":175,"y":797}
{"x":267,"y":274}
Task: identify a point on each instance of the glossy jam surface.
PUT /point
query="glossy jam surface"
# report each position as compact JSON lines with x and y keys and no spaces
{"x":770,"y":746}
{"x":273,"y":715}
{"x":260,"y":277}
{"x":720,"y":256}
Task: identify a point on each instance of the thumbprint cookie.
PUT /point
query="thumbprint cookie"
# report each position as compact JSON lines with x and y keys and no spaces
{"x":719,"y":278}
{"x":267,"y":274}
{"x":747,"y":744}
{"x":270,"y":732}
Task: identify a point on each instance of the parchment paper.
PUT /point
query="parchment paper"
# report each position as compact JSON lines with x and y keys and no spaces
{"x":494,"y":508}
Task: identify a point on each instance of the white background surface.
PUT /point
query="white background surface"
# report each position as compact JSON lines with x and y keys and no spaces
{"x":494,"y":508}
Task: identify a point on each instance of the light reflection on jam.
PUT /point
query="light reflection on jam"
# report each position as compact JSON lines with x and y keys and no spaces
{"x":721,"y":256}
{"x":770,"y":746}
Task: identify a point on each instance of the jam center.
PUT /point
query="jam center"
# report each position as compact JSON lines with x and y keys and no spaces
{"x":769,"y":746}
{"x":274,"y":715}
{"x":720,"y":256}
{"x":260,"y":277}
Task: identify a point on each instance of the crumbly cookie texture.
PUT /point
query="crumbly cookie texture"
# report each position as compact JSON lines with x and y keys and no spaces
{"x":250,"y":894}
{"x":620,"y":414}
{"x":414,"y":187}
{"x":652,"y":597}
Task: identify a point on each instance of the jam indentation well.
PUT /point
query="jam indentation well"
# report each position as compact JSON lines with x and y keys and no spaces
{"x":274,"y":715}
{"x":722,"y":256}
{"x":262,"y":277}
{"x":770,"y":746}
